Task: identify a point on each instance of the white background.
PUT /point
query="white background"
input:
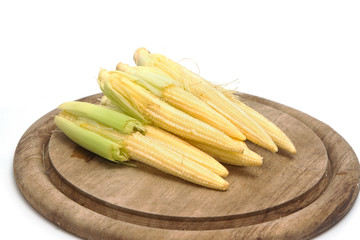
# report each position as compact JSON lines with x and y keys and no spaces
{"x":304,"y":54}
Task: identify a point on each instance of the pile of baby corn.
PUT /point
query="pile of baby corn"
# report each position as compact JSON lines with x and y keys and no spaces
{"x":163,"y":115}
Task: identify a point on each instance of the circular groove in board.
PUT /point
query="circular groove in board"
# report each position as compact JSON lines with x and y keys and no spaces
{"x":30,"y":177}
{"x":97,"y":203}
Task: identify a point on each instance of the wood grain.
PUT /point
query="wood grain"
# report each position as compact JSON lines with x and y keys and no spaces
{"x":290,"y":196}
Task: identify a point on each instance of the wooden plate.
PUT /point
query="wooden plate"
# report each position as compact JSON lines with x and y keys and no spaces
{"x":289,"y":197}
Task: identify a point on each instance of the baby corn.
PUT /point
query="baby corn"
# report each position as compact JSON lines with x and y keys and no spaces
{"x":118,"y":137}
{"x":136,"y":100}
{"x":208,"y":93}
{"x":247,"y":158}
{"x":182,"y":147}
{"x":277,"y":135}
{"x":169,"y":90}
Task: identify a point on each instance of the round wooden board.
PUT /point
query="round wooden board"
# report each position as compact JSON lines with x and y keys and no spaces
{"x":289,"y":197}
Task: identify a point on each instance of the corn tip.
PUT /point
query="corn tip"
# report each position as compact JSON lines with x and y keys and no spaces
{"x":226,"y":186}
{"x":291,"y":148}
{"x":224,"y":173}
{"x":139,"y":52}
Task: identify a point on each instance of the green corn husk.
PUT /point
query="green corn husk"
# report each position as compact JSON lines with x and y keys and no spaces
{"x":97,"y":128}
{"x":116,"y":98}
{"x":121,"y":122}
{"x":149,"y":78}
{"x":91,"y":141}
{"x":105,"y":101}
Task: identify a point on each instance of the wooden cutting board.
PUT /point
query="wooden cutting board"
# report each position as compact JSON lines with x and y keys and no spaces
{"x":292,"y":196}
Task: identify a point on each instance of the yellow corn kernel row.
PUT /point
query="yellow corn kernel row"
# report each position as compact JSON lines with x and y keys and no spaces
{"x":197,"y":108}
{"x":246,"y":158}
{"x":182,"y":147}
{"x":157,"y":155}
{"x":165,"y":116}
{"x":208,"y":93}
{"x":277,"y":135}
